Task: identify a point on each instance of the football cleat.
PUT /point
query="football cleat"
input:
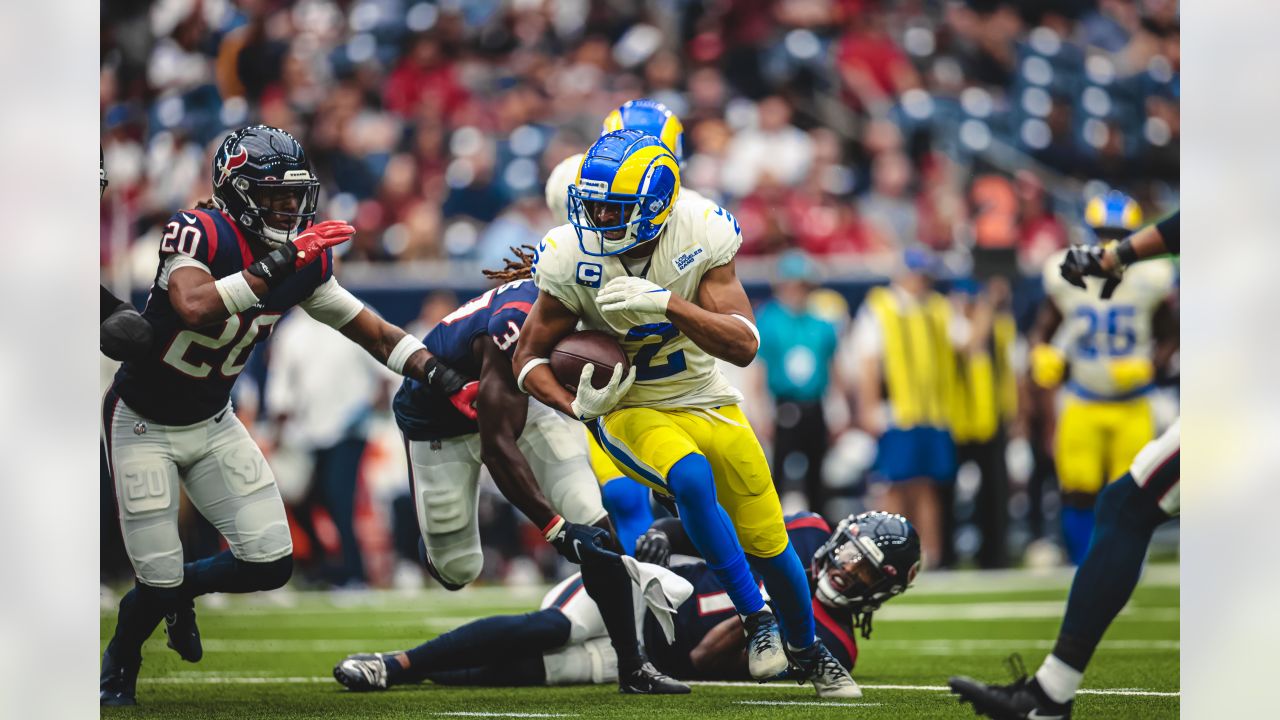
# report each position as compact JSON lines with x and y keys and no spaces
{"x":362,"y":673}
{"x":1020,"y":700}
{"x":829,"y":677}
{"x":118,"y":684}
{"x":648,"y":680}
{"x":184,"y":635}
{"x":765,"y":656}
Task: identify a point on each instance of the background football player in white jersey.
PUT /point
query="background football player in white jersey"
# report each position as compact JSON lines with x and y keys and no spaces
{"x":1104,"y":353}
{"x":655,"y":270}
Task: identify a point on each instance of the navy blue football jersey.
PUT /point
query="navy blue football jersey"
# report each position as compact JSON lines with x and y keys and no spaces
{"x":424,"y":414}
{"x":188,"y":374}
{"x":710,"y":605}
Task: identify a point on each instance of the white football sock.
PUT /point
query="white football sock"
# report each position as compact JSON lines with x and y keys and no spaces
{"x":1059,"y":680}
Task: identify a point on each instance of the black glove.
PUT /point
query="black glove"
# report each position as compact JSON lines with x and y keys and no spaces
{"x":654,"y":547}
{"x":582,"y":544}
{"x":667,"y":502}
{"x":1084,"y":261}
{"x":125,"y":334}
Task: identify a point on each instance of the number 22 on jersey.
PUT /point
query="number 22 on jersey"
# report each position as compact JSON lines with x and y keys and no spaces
{"x":646,"y":369}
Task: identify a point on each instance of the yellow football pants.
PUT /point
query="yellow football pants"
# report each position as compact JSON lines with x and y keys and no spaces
{"x":646,"y":442}
{"x":1098,"y":439}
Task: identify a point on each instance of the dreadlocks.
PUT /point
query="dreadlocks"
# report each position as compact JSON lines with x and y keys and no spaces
{"x":518,"y":268}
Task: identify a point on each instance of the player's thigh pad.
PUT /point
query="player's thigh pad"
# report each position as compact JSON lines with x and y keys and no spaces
{"x":1080,"y":451}
{"x":231,"y":484}
{"x":593,"y":661}
{"x":445,"y":476}
{"x":557,"y":454}
{"x":1132,"y":428}
{"x":744,"y":485}
{"x":1157,"y":469}
{"x":146,"y":486}
{"x":644,"y":443}
{"x":601,"y":464}
{"x":571,"y":598}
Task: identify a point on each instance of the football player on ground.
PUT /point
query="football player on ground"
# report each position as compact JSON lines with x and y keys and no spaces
{"x":626,"y":500}
{"x":655,"y":271}
{"x":536,"y":457}
{"x":866,"y":561}
{"x":1107,"y":351}
{"x":124,"y":333}
{"x":1129,"y":511}
{"x":228,"y":270}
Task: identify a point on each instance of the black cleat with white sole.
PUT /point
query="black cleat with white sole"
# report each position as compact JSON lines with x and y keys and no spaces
{"x":648,"y":680}
{"x":184,"y":635}
{"x":362,"y":673}
{"x":118,"y":684}
{"x":1023,"y":699}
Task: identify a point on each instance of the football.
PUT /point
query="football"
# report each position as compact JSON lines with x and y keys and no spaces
{"x":580,"y":348}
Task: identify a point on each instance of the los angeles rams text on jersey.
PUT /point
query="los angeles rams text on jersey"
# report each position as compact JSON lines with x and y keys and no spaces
{"x":671,"y":371}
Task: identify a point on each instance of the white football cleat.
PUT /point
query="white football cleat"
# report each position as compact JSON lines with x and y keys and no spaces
{"x":362,"y":673}
{"x":829,"y":677}
{"x":765,"y":656}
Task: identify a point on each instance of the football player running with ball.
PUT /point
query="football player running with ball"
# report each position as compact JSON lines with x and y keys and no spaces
{"x":655,"y":271}
{"x":228,"y":270}
{"x":1128,"y":512}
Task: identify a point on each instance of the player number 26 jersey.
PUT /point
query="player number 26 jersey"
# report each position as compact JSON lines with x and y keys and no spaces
{"x":670,"y":370}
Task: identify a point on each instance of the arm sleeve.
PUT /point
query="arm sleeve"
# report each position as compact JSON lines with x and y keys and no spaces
{"x":332,"y":304}
{"x":1168,"y":228}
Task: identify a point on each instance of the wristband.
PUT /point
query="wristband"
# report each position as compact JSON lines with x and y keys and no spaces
{"x":553,"y":527}
{"x":750,"y":326}
{"x":1125,"y":252}
{"x":525,"y":371}
{"x":407,"y":346}
{"x":276,"y":265}
{"x":235,"y":292}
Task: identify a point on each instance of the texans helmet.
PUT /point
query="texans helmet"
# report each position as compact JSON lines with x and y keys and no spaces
{"x":652,"y":117}
{"x":869,"y":559}
{"x":262,"y":179}
{"x":624,"y":191}
{"x":1112,"y":216}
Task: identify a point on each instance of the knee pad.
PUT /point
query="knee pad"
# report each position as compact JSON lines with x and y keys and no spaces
{"x":691,"y":480}
{"x":453,"y":568}
{"x":268,"y":575}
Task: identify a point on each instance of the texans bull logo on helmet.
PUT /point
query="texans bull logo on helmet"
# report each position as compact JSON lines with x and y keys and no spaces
{"x":230,"y":163}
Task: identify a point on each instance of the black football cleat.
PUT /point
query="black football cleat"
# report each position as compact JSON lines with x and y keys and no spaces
{"x":1020,"y":700}
{"x":184,"y":635}
{"x":647,"y":680}
{"x":362,"y":673}
{"x":118,"y":684}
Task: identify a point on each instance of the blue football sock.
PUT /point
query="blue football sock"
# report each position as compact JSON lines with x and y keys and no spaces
{"x":140,"y":612}
{"x":1077,"y":527}
{"x":711,"y":532}
{"x":226,"y":573}
{"x":484,"y":642}
{"x":1127,"y":518}
{"x":788,"y":585}
{"x":628,"y":504}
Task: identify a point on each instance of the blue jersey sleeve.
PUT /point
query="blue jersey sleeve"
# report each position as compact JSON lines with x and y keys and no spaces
{"x":807,"y":532}
{"x":511,"y":306}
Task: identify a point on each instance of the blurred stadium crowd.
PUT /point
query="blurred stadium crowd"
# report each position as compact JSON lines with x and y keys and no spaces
{"x":851,"y":130}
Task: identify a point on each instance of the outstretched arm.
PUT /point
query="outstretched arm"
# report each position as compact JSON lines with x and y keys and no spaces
{"x":722,"y":652}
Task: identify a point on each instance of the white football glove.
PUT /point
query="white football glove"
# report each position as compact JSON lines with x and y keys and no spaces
{"x":633,"y":294}
{"x":592,"y":403}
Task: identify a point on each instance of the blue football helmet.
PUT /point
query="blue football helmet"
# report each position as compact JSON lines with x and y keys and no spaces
{"x":652,"y":117}
{"x":623,"y":194}
{"x":1112,"y":216}
{"x":262,"y":179}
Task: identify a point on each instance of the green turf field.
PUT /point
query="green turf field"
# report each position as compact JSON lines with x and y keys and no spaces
{"x":271,"y":657}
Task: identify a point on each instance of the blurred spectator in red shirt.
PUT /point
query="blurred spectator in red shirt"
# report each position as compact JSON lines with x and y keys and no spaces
{"x":872,"y":67}
{"x":1040,"y":232}
{"x":424,"y":75}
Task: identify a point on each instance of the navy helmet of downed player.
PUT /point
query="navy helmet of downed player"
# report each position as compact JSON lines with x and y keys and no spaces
{"x":262,"y":179}
{"x":869,"y":559}
{"x":626,"y":186}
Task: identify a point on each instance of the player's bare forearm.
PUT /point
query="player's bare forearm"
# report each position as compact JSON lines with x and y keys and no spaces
{"x":548,"y":323}
{"x":379,"y":337}
{"x":195,"y":297}
{"x":501,"y":412}
{"x":711,"y":323}
{"x":1046,"y":324}
{"x":722,"y":651}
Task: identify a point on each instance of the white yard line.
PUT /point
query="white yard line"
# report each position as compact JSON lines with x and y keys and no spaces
{"x":809,"y":703}
{"x":221,"y":679}
{"x":480,"y":713}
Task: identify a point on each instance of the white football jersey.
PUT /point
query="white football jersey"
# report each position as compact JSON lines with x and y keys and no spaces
{"x":1095,"y":331}
{"x":564,"y":175}
{"x":671,"y":371}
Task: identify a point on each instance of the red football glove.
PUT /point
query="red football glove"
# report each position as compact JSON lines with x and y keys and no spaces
{"x":465,"y":399}
{"x":311,"y":244}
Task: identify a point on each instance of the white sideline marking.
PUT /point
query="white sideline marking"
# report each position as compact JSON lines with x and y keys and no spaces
{"x":948,"y":647}
{"x":810,"y":703}
{"x":501,"y":714}
{"x":211,"y":679}
{"x":929,"y":612}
